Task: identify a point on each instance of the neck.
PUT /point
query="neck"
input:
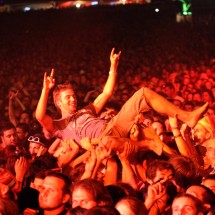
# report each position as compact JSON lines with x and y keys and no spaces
{"x":65,"y":114}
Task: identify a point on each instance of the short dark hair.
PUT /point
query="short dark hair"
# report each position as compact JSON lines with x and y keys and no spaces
{"x":58,"y":89}
{"x":185,"y":171}
{"x":65,"y":178}
{"x":23,"y":126}
{"x":157,"y":165}
{"x":105,"y":210}
{"x":6,"y":126}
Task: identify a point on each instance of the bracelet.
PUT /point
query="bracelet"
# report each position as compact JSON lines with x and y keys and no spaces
{"x":111,"y":72}
{"x":179,"y":135}
{"x":176,"y":128}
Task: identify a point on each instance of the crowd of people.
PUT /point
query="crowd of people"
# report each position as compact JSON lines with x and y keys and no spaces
{"x":128,"y":134}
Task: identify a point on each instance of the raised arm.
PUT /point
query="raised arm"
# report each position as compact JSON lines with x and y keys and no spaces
{"x":45,"y":120}
{"x":107,"y":92}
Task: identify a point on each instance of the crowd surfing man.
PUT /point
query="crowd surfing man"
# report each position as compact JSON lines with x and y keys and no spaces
{"x":78,"y":124}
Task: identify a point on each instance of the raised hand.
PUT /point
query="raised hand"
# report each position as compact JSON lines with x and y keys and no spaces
{"x":42,"y":150}
{"x":102,"y":152}
{"x":49,"y":81}
{"x":20,"y":168}
{"x":114,"y":58}
{"x":128,"y":152}
{"x":154,"y":192}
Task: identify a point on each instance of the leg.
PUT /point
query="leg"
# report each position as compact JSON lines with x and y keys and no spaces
{"x":142,"y":101}
{"x":163,"y":106}
{"x":118,"y":143}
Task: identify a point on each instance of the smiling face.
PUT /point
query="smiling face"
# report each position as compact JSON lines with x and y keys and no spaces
{"x":67,"y":102}
{"x":184,"y":206}
{"x":210,"y":153}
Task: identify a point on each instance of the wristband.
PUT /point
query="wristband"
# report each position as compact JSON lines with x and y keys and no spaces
{"x":111,"y":72}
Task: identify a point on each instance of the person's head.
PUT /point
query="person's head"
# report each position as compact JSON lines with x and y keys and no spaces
{"x":105,"y":210}
{"x":131,"y":206}
{"x":202,"y":131}
{"x":37,"y":182}
{"x":78,"y":211}
{"x":25,"y":117}
{"x":204,"y":194}
{"x":8,"y":134}
{"x":35,"y":143}
{"x":65,"y":99}
{"x":169,"y":90}
{"x":89,"y":193}
{"x":159,"y":170}
{"x":22,"y":130}
{"x":210,"y":150}
{"x":185,"y":204}
{"x":209,"y":181}
{"x":207,"y":96}
{"x":185,"y":172}
{"x":116,"y":192}
{"x":8,"y":207}
{"x":42,"y":163}
{"x":55,"y":193}
{"x":159,"y":127}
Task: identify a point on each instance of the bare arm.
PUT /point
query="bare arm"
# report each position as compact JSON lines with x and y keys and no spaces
{"x":107,"y":92}
{"x":52,"y":149}
{"x":45,"y":120}
{"x":128,"y":175}
{"x":11,"y":114}
{"x":72,"y":150}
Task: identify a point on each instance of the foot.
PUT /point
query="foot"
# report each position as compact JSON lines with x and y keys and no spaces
{"x":194,"y":116}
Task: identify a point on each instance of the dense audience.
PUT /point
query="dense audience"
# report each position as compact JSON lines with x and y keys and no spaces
{"x":42,"y":174}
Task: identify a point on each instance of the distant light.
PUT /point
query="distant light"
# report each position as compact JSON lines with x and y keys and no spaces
{"x":157,"y":10}
{"x":94,"y":3}
{"x":26,"y":9}
{"x":78,"y":5}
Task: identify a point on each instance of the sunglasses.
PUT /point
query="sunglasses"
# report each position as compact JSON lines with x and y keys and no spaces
{"x":34,"y":139}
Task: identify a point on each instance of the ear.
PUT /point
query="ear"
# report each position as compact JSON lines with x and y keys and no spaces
{"x":66,"y":198}
{"x":206,"y":207}
{"x":26,"y":134}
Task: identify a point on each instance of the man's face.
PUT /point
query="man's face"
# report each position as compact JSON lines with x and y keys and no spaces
{"x":9,"y":137}
{"x":210,"y":150}
{"x":25,"y":118}
{"x":21,"y":134}
{"x":82,"y":198}
{"x":210,"y":183}
{"x":163,"y":175}
{"x":34,"y":148}
{"x":200,"y":134}
{"x":51,"y":196}
{"x":183,"y":206}
{"x":67,"y":102}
